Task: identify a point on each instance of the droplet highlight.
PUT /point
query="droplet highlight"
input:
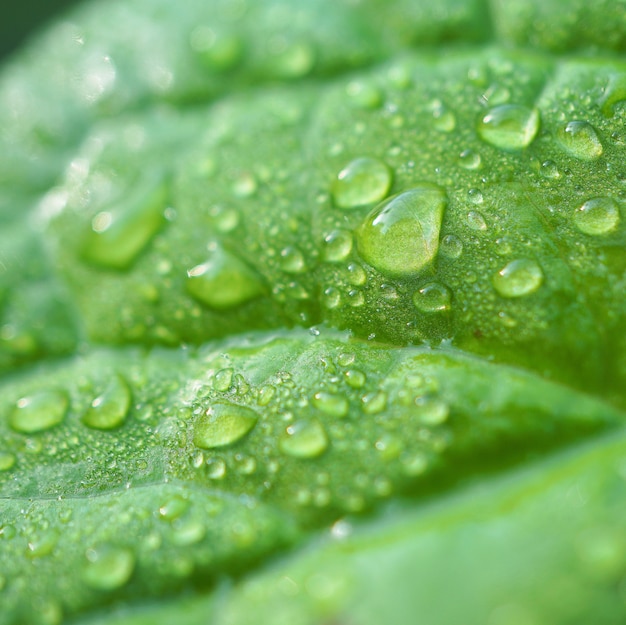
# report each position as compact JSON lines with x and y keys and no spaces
{"x":580,"y":139}
{"x":598,"y":216}
{"x":520,"y":277}
{"x":510,"y":127}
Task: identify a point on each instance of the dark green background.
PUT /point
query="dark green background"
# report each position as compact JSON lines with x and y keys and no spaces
{"x":19,"y":20}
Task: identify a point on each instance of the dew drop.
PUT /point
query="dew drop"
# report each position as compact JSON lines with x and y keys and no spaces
{"x":468,"y":159}
{"x":374,"y":403}
{"x":580,"y":140}
{"x":42,"y":545}
{"x":549,"y":170}
{"x":331,"y":298}
{"x":108,"y":567}
{"x":364,"y":94}
{"x":432,"y":411}
{"x":509,"y":127}
{"x":223,"y":424}
{"x":216,"y":51}
{"x":266,"y":393}
{"x":451,"y":247}
{"x":401,"y":235}
{"x":597,"y":216}
{"x":355,"y":378}
{"x":291,"y":260}
{"x":174,"y":508}
{"x":38,"y":412}
{"x":7,"y":460}
{"x":476,"y":221}
{"x":245,"y":185}
{"x":223,"y":380}
{"x":520,"y":277}
{"x":293,"y":60}
{"x":215,"y":468}
{"x":223,"y":281}
{"x":118,"y":235}
{"x":431,"y":298}
{"x":304,"y":439}
{"x":363,"y":181}
{"x":331,"y":404}
{"x":109,"y":410}
{"x":356,"y":274}
{"x":337,"y":246}
{"x":188,"y":532}
{"x":444,"y":119}
{"x":475,"y":196}
{"x":356,"y":298}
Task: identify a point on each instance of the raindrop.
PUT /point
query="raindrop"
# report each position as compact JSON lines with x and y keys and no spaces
{"x":509,"y":126}
{"x":223,"y":424}
{"x":432,"y":411}
{"x":451,"y":247}
{"x":476,"y":221}
{"x":304,"y":439}
{"x":374,"y":403}
{"x":337,"y":246}
{"x":42,"y":545}
{"x":331,"y":298}
{"x":433,"y":297}
{"x":331,"y":404}
{"x":468,"y":159}
{"x":520,"y":277}
{"x":444,"y":119}
{"x":356,"y":274}
{"x":291,"y":260}
{"x":39,"y":412}
{"x":355,"y":378}
{"x":109,"y":410}
{"x":580,"y":140}
{"x":363,"y":181}
{"x":108,"y":567}
{"x":223,"y":380}
{"x":174,"y":508}
{"x":401,"y":235}
{"x":597,"y":216}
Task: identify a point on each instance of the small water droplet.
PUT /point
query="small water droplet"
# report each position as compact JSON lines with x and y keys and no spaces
{"x":415,"y":464}
{"x":345,"y":359}
{"x":468,"y":159}
{"x":363,"y":94}
{"x":292,"y":59}
{"x":451,"y":247}
{"x":432,"y":411}
{"x":118,"y":235}
{"x":187,"y":531}
{"x":476,"y":221}
{"x":444,"y":119}
{"x":109,"y":410}
{"x":356,"y":274}
{"x":356,"y":298}
{"x":331,"y":298}
{"x":597,"y":216}
{"x":363,"y":181}
{"x":337,"y":246}
{"x":304,"y":439}
{"x":223,"y":424}
{"x":374,"y":403}
{"x":266,"y":393}
{"x":355,"y":378}
{"x":291,"y":260}
{"x":401,"y":235}
{"x":108,"y":567}
{"x":223,"y":379}
{"x":331,"y":404}
{"x":549,"y":170}
{"x":223,"y":281}
{"x":580,"y":139}
{"x":38,"y":412}
{"x":475,"y":196}
{"x":520,"y":277}
{"x":432,"y":297}
{"x":245,"y":185}
{"x":509,"y":126}
{"x":42,"y":545}
{"x":7,"y":460}
{"x":174,"y":508}
{"x":216,"y":51}
{"x":215,"y":468}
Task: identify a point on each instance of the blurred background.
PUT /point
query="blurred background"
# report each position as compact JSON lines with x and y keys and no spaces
{"x":19,"y":20}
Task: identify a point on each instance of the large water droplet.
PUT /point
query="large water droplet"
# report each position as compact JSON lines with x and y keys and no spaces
{"x":520,"y":277}
{"x":509,"y":126}
{"x":39,"y":412}
{"x":597,"y":216}
{"x":108,"y":567}
{"x":304,"y":439}
{"x":223,"y":281}
{"x":223,"y":424}
{"x":362,"y":181}
{"x":580,"y":140}
{"x":109,"y":410}
{"x":433,"y":297}
{"x":331,"y":404}
{"x":401,"y":235}
{"x":119,"y":234}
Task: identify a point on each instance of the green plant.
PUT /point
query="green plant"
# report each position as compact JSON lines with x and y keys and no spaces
{"x":313,"y":312}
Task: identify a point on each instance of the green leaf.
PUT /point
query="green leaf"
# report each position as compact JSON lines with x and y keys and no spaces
{"x":277,"y":269}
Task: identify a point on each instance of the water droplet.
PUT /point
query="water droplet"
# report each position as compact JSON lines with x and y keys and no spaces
{"x":304,"y":439}
{"x":476,"y":221}
{"x":223,"y":379}
{"x":42,"y":545}
{"x":331,"y":404}
{"x":331,"y":298}
{"x":401,"y":235}
{"x":509,"y":126}
{"x":291,"y":260}
{"x":432,"y":411}
{"x":580,"y":140}
{"x":223,"y":424}
{"x":356,"y":298}
{"x":549,"y":170}
{"x":451,"y":247}
{"x":245,"y":185}
{"x":363,"y":181}
{"x":356,"y":274}
{"x":364,"y":94}
{"x":174,"y":508}
{"x":337,"y":246}
{"x":223,"y":281}
{"x":292,"y":60}
{"x":109,"y":410}
{"x":373,"y":403}
{"x":39,"y":412}
{"x":444,"y":119}
{"x":433,"y":297}
{"x":266,"y":393}
{"x":217,"y":51}
{"x":7,"y":460}
{"x":468,"y":159}
{"x":188,"y":532}
{"x":118,"y":235}
{"x":108,"y":567}
{"x":597,"y":216}
{"x":475,"y":196}
{"x":215,"y":468}
{"x":520,"y":277}
{"x":355,"y":378}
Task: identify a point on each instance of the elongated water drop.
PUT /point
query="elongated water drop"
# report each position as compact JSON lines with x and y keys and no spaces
{"x":120,"y":233}
{"x":509,"y":127}
{"x":39,"y":411}
{"x":363,"y":181}
{"x":580,"y":140}
{"x":432,"y":297}
{"x":109,"y":410}
{"x":223,"y":281}
{"x":401,"y":235}
{"x":520,"y":277}
{"x":597,"y":216}
{"x":223,"y":424}
{"x":108,"y":567}
{"x":304,"y":439}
